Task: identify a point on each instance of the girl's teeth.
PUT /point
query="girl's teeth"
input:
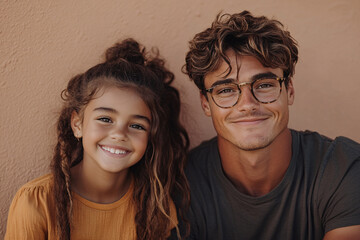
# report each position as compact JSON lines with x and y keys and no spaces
{"x":113,"y":150}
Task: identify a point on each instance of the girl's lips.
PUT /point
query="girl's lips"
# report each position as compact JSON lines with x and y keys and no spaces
{"x":113,"y":150}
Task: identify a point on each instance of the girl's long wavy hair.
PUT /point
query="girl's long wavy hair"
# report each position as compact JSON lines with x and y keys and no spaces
{"x":159,"y":175}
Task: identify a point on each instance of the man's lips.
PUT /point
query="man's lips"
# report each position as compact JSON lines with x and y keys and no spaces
{"x":249,"y":121}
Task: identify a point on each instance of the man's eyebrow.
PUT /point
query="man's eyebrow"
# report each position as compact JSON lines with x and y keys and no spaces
{"x":111,"y":110}
{"x":263,"y":75}
{"x":222,"y":81}
{"x":253,"y":78}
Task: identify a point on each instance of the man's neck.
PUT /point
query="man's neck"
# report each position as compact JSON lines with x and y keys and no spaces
{"x":257,"y":172}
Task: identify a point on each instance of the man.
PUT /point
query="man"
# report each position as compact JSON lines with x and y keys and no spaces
{"x":258,"y":179}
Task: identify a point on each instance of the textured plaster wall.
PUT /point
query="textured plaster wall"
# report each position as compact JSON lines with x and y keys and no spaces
{"x":44,"y":43}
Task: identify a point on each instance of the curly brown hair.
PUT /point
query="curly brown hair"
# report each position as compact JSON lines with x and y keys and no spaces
{"x":260,"y":37}
{"x":160,"y":173}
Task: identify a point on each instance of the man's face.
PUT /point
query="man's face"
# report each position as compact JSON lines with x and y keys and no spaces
{"x":249,"y":125}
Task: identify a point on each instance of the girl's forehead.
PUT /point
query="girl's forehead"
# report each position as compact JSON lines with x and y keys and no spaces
{"x":119,"y":99}
{"x":114,"y":90}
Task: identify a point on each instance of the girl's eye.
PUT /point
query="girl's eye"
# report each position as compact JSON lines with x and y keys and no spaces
{"x":137,"y":126}
{"x":105,"y":119}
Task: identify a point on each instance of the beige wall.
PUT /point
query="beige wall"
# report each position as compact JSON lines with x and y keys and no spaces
{"x":43,"y":43}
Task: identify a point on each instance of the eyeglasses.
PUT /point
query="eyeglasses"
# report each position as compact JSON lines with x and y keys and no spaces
{"x":264,"y":90}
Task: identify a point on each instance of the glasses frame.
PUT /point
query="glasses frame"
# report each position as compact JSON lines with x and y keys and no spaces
{"x":279,"y":79}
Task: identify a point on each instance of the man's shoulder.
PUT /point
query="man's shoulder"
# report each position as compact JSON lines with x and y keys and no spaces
{"x":325,"y":154}
{"x":315,"y":140}
{"x":335,"y":182}
{"x":348,"y":145}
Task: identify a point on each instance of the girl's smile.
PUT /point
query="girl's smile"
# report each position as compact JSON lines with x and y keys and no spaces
{"x":114,"y":150}
{"x":114,"y":129}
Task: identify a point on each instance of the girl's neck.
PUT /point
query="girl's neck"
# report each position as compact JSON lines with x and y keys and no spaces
{"x":98,"y":186}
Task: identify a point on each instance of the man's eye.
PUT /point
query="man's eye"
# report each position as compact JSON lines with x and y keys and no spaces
{"x":105,"y":119}
{"x":137,"y":126}
{"x":265,"y":85}
{"x":225,"y":91}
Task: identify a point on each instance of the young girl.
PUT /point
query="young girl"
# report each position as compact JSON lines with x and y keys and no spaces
{"x":119,"y":158}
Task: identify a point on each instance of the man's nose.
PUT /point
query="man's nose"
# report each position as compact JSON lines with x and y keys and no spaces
{"x":247,"y":101}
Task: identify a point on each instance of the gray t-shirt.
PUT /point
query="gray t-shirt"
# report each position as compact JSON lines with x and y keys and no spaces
{"x":320,"y":191}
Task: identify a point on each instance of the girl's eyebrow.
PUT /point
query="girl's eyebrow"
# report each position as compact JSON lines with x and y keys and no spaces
{"x":137,"y":116}
{"x":142,"y":117}
{"x":106,"y":109}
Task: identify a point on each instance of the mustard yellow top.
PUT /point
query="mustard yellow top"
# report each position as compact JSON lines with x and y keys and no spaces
{"x":32,"y":215}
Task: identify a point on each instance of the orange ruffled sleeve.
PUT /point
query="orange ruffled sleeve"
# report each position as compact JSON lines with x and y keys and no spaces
{"x":30,"y":212}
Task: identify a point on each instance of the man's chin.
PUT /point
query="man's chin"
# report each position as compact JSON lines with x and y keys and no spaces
{"x":248,"y":144}
{"x":250,"y":148}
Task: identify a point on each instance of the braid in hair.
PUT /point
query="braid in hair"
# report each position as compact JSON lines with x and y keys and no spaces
{"x":68,"y":152}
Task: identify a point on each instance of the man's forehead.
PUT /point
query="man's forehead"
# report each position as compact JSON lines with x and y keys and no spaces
{"x":241,"y":66}
{"x":223,"y":67}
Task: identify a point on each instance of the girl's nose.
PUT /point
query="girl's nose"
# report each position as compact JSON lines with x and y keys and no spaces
{"x":119,"y":133}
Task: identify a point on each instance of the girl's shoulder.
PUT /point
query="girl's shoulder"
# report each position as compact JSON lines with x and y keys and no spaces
{"x":38,"y":186}
{"x":37,"y":191}
{"x":34,"y":197}
{"x":31,"y":210}
{"x":42,"y":181}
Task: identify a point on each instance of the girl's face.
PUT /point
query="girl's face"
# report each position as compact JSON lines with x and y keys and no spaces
{"x":114,"y":129}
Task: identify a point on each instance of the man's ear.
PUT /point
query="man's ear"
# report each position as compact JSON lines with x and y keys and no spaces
{"x":76,"y":124}
{"x":205,"y":105}
{"x":290,"y":92}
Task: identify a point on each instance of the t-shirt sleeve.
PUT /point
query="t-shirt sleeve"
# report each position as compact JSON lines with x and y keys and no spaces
{"x":339,"y":191}
{"x":27,"y":218}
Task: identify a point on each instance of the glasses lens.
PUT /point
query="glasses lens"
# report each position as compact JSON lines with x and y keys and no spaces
{"x":266,"y":90}
{"x":225,"y":95}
